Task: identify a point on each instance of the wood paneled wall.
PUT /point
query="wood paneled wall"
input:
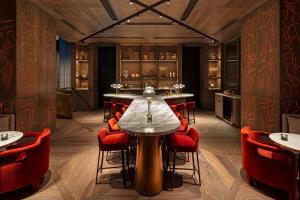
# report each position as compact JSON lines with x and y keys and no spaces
{"x":8,"y":54}
{"x":269,"y":70}
{"x":28,"y":71}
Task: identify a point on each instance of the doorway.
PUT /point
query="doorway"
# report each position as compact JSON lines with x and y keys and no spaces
{"x":191,"y":71}
{"x":107,"y":71}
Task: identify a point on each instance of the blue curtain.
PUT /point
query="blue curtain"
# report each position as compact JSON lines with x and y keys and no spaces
{"x":64,"y":64}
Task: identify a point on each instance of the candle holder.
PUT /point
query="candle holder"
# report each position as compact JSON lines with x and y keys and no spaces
{"x":284,"y":136}
{"x":4,"y":136}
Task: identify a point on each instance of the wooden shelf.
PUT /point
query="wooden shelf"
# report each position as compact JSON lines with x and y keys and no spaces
{"x":167,"y":60}
{"x":131,"y":60}
{"x":214,"y":60}
{"x":82,"y":60}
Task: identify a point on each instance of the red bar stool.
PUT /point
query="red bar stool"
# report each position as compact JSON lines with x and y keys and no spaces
{"x":173,"y":107}
{"x":113,"y":142}
{"x":118,"y":115}
{"x":183,"y":125}
{"x":113,"y":125}
{"x":178,"y":142}
{"x":190,"y":107}
{"x":109,"y":108}
{"x":180,"y":108}
{"x":178,"y":115}
{"x":123,"y":109}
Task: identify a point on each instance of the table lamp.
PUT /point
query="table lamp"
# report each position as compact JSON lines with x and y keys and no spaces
{"x":148,"y":93}
{"x":116,"y":86}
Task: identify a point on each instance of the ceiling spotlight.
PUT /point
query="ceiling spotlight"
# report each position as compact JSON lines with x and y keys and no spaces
{"x":168,"y":2}
{"x":138,"y":16}
{"x":128,"y":20}
{"x":131,"y":2}
{"x":160,"y":16}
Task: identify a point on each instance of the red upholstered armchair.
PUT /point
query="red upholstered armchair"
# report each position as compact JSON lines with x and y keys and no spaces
{"x":268,"y":163}
{"x":25,"y":164}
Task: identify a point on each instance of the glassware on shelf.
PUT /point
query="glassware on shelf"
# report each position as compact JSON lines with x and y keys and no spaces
{"x":116,"y":86}
{"x":178,"y":87}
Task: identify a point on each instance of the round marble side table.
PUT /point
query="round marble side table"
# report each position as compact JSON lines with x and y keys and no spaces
{"x":12,"y":136}
{"x":291,"y":144}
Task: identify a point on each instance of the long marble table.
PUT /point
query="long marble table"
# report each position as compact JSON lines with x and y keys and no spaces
{"x":149,"y":166}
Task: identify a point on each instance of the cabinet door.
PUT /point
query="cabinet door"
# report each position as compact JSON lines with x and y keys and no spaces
{"x":219,"y":106}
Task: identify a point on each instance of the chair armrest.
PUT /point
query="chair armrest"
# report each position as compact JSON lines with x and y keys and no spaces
{"x":20,"y":150}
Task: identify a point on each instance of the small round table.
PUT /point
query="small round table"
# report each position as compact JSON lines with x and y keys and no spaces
{"x":292,"y":144}
{"x":13,"y":136}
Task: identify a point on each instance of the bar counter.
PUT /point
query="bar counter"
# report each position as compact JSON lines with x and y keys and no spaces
{"x":149,"y":166}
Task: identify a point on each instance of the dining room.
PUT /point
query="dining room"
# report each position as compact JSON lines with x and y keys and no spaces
{"x":149,"y":99}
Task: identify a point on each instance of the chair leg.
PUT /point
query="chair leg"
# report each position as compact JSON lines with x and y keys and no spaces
{"x":168,"y":159}
{"x":174,"y":163}
{"x":107,"y":155}
{"x":104,"y":119}
{"x":193,"y":162}
{"x":101,"y":165}
{"x":194,"y":115}
{"x":188,"y":115}
{"x":198,"y":168}
{"x":124,"y":169}
{"x":97,"y":167}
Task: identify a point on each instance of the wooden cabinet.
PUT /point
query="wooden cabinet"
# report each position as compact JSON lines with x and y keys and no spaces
{"x":148,"y":65}
{"x":228,"y":108}
{"x":214,"y":66}
{"x":82,"y":68}
{"x":232,"y":66}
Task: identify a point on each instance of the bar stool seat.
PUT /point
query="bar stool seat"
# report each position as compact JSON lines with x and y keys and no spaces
{"x":118,"y":116}
{"x":173,"y":107}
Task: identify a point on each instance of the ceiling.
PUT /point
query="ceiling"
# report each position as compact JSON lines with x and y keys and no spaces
{"x":219,"y":19}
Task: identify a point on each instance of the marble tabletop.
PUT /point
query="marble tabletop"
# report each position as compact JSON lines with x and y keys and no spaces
{"x":13,"y":136}
{"x":293,"y":142}
{"x":134,"y":120}
{"x":133,"y":96}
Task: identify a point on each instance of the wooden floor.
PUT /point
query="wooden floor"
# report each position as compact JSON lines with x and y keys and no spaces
{"x":74,"y":152}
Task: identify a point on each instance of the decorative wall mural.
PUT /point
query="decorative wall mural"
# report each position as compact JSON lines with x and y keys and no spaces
{"x":260,"y":67}
{"x":290,"y":56}
{"x":7,"y":64}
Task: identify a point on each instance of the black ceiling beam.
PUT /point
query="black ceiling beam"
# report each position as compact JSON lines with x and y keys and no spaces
{"x":125,"y":19}
{"x":172,"y":19}
{"x":109,"y":9}
{"x":189,"y":8}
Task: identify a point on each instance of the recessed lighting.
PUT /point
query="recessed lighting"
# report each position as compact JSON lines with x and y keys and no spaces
{"x":168,"y":2}
{"x":138,"y":16}
{"x":128,"y":20}
{"x":160,"y":16}
{"x":131,"y":3}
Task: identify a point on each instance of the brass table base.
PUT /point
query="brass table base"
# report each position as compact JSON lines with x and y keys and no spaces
{"x":149,"y":166}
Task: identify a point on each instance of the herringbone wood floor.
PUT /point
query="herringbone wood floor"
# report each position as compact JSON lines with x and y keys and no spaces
{"x":74,"y":152}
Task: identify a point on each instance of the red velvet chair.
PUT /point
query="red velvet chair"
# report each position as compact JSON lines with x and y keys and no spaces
{"x":113,"y":125}
{"x":113,"y":142}
{"x":123,"y":109}
{"x":173,"y":107}
{"x":26,"y":164}
{"x":188,"y":142}
{"x":268,"y":163}
{"x":180,"y":108}
{"x":118,"y":116}
{"x":119,"y":107}
{"x":178,"y":115}
{"x":183,"y":125}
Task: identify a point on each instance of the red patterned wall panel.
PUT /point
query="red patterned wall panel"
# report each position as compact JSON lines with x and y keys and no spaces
{"x":7,"y":54}
{"x":290,"y":56}
{"x":260,"y":68}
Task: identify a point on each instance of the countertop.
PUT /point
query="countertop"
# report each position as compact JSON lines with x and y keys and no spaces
{"x":133,"y":96}
{"x":234,"y":96}
{"x":134,"y":120}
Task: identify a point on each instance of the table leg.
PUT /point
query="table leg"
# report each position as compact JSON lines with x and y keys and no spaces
{"x":149,"y":166}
